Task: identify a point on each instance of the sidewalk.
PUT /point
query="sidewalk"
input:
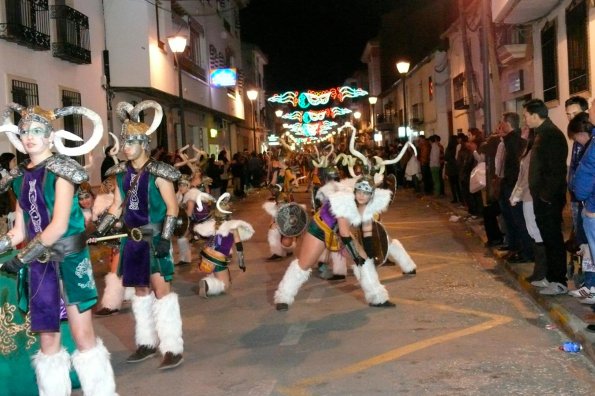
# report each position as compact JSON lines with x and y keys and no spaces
{"x":566,"y":311}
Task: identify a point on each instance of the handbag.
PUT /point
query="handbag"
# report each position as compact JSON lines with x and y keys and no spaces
{"x":477,"y":181}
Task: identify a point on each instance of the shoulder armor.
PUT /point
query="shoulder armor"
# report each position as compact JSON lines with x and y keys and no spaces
{"x":6,"y":182}
{"x":120,"y":167}
{"x":67,"y":168}
{"x":163,"y":170}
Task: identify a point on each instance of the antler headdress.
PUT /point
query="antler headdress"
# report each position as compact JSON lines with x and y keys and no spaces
{"x":132,"y":128}
{"x":45,"y":117}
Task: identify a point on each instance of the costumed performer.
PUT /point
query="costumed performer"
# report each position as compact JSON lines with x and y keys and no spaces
{"x":145,"y":200}
{"x":223,"y":233}
{"x":280,"y":246}
{"x":55,"y":262}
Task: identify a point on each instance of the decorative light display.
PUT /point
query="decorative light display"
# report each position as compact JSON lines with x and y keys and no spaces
{"x":317,"y":98}
{"x":313,"y":129}
{"x":316,"y":115}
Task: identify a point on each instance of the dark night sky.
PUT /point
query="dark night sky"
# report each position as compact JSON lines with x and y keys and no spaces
{"x":317,"y":44}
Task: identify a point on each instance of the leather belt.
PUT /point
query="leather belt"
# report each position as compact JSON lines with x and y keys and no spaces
{"x":67,"y":245}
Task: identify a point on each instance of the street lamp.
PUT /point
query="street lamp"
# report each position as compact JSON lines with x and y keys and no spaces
{"x":178,"y":46}
{"x":372,"y":100}
{"x":403,"y":68}
{"x":252,"y":95}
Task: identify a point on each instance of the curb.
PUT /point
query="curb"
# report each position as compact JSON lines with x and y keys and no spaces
{"x":567,"y":321}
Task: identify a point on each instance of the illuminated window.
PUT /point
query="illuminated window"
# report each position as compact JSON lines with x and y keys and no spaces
{"x":578,"y":50}
{"x":549,"y":61}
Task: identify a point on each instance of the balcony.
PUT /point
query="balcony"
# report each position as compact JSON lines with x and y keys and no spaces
{"x":511,"y":52}
{"x":72,"y":29}
{"x":26,"y":23}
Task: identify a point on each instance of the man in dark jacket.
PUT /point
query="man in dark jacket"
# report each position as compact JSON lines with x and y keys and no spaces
{"x":547,"y":183}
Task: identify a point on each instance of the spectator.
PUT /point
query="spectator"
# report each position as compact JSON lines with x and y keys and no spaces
{"x":547,"y":183}
{"x":452,"y":170}
{"x":8,"y":161}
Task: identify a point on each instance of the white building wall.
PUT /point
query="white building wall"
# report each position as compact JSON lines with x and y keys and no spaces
{"x":53,"y":74}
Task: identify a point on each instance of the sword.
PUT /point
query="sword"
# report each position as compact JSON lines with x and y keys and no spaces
{"x":135,"y":233}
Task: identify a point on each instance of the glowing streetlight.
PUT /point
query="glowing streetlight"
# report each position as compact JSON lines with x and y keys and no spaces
{"x":403,"y":69}
{"x":178,"y":46}
{"x":252,"y":95}
{"x":372,"y":100}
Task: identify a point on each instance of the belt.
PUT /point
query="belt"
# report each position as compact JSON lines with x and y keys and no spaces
{"x":67,"y":245}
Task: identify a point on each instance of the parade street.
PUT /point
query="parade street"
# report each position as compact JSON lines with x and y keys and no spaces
{"x":460,"y":326}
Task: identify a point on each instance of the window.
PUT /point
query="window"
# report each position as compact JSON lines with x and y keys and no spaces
{"x":26,"y":94}
{"x":459,"y":92}
{"x":430,"y":89}
{"x":72,"y":35}
{"x":549,"y":62}
{"x":73,"y":123}
{"x":26,"y":22}
{"x":577,"y":42}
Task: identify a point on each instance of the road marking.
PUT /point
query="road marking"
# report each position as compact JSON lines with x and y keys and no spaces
{"x":439,"y":256}
{"x":294,"y":333}
{"x":316,"y":295}
{"x":494,"y":320}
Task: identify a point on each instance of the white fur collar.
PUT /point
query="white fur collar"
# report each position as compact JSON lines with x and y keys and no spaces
{"x":207,"y":228}
{"x":270,"y":207}
{"x":378,"y":204}
{"x":343,"y":205}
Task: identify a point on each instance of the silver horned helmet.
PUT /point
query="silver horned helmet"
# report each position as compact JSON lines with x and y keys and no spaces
{"x":133,"y":130}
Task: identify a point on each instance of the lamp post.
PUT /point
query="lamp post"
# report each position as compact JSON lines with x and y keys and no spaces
{"x":252,"y":95}
{"x":178,"y":46}
{"x":403,"y":68}
{"x":278,"y":114}
{"x":372,"y":100}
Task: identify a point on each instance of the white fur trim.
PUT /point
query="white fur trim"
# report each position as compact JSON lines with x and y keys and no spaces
{"x":329,"y":188}
{"x":169,"y":324}
{"x":343,"y":205}
{"x":95,"y":371}
{"x":113,"y":294}
{"x":129,"y":293}
{"x":271,"y":208}
{"x":378,"y":204}
{"x":339,"y":263}
{"x":145,"y":332}
{"x":274,"y":239}
{"x":293,"y":279}
{"x":216,"y":286}
{"x":244,"y":229}
{"x":378,"y":178}
{"x":205,"y":229}
{"x":184,"y":249}
{"x":399,"y":255}
{"x":53,"y":373}
{"x":374,"y":291}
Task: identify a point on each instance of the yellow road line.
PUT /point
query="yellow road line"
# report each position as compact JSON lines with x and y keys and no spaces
{"x":301,"y":387}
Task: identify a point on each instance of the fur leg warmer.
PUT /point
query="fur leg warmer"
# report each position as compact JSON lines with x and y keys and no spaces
{"x":215,"y":285}
{"x":113,"y":294}
{"x":293,"y":279}
{"x":184,"y":250}
{"x":95,"y":371}
{"x":129,"y":293}
{"x":166,"y":311}
{"x":145,"y":331}
{"x":339,"y":263}
{"x":374,"y":291}
{"x":399,"y":255}
{"x":274,"y":238}
{"x":53,"y":373}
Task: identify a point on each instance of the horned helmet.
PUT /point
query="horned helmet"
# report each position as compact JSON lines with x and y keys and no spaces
{"x":134,"y":130}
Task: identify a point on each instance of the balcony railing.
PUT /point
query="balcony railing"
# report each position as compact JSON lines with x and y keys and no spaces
{"x":27,"y":23}
{"x":72,"y":27}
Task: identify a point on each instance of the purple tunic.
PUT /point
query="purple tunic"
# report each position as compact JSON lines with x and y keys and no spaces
{"x":327,"y":216}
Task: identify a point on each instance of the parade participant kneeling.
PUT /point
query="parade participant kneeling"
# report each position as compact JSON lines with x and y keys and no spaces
{"x":344,"y":208}
{"x":55,"y":260}
{"x":145,"y":200}
{"x":223,"y":233}
{"x":280,"y":246}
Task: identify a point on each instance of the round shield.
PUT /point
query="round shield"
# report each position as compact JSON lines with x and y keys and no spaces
{"x":182,"y":224}
{"x":380,"y":242}
{"x":390,"y":182}
{"x":291,"y":219}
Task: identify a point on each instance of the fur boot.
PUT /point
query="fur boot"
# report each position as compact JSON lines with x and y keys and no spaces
{"x":274,"y":238}
{"x":293,"y":279}
{"x":53,"y":373}
{"x":145,"y":331}
{"x":95,"y":371}
{"x":399,"y":255}
{"x":374,"y":291}
{"x":166,"y":311}
{"x":113,"y":294}
{"x":214,"y":285}
{"x":184,"y":250}
{"x":129,"y":293}
{"x":339,"y":263}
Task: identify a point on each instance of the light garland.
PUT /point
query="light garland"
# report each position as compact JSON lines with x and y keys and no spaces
{"x":316,"y":115}
{"x":317,"y":98}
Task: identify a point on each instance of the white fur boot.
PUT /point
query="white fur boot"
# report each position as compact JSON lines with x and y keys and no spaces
{"x":166,"y":311}
{"x":274,"y":238}
{"x":95,"y":371}
{"x":374,"y":292}
{"x":129,"y":293}
{"x":399,"y":255}
{"x":184,"y":250}
{"x":145,"y":331}
{"x":53,"y":373}
{"x":113,"y":294}
{"x":293,"y":279}
{"x":212,"y":286}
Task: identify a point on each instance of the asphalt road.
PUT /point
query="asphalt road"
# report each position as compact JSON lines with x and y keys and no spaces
{"x":460,"y":327}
